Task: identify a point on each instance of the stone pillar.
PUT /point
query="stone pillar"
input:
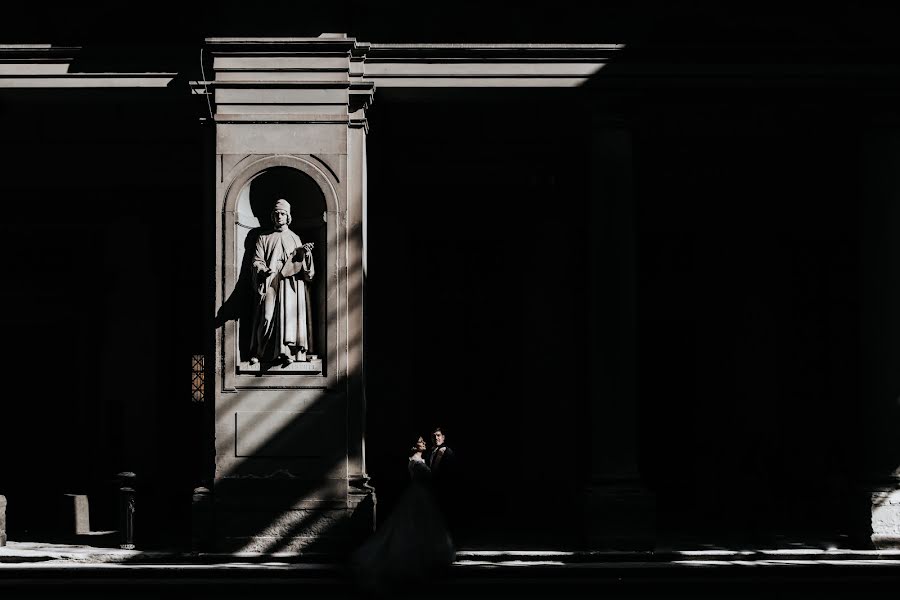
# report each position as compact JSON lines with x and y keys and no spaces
{"x":362,"y":496}
{"x":877,"y":512}
{"x":619,"y":510}
{"x":290,"y":466}
{"x":2,"y":520}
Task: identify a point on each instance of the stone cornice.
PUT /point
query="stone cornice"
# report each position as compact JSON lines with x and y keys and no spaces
{"x":38,"y":52}
{"x":48,"y":66}
{"x":325,"y":43}
{"x":486,"y":65}
{"x":86,"y":80}
{"x":467,"y":51}
{"x":338,"y":61}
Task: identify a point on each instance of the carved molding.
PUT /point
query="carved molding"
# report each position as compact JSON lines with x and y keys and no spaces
{"x":49,"y":66}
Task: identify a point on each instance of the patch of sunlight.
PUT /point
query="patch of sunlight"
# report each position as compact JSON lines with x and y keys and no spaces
{"x":514,"y":553}
{"x":714,"y":552}
{"x":509,"y":563}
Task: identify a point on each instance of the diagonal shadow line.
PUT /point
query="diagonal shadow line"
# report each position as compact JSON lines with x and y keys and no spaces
{"x":299,"y":479}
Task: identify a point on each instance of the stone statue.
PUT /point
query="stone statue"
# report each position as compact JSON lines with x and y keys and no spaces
{"x":282,"y":268}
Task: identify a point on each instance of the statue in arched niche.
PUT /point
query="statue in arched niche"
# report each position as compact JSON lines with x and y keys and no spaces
{"x":282,"y":267}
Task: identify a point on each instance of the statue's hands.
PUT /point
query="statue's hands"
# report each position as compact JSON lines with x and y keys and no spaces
{"x":300,"y":253}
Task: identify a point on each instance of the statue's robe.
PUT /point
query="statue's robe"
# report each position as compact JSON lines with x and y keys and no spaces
{"x":282,"y":323}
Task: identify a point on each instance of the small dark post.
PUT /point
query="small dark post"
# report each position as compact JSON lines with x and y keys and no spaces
{"x":126,"y":510}
{"x":2,"y":520}
{"x":201,"y":519}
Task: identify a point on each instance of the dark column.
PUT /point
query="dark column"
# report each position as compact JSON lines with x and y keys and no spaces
{"x":619,"y":510}
{"x":879,"y":487}
{"x":126,"y":510}
{"x":201,"y":520}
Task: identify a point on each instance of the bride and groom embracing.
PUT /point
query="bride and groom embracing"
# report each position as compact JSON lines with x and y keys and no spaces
{"x":414,"y":542}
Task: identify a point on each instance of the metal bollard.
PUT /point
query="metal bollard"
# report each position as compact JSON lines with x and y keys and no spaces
{"x":2,"y":520}
{"x":126,"y":509}
{"x":201,"y":519}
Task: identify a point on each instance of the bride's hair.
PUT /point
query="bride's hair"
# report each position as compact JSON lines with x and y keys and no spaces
{"x":413,"y":449}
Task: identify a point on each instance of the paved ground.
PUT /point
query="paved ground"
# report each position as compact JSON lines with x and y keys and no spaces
{"x":68,"y":571}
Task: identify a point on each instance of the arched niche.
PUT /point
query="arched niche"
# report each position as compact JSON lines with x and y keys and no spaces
{"x":309,"y":209}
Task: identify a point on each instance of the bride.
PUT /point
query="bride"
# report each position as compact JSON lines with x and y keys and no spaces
{"x":413,"y":542}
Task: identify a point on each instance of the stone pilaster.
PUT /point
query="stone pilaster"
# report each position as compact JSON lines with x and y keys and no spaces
{"x":362,"y":496}
{"x":290,"y":464}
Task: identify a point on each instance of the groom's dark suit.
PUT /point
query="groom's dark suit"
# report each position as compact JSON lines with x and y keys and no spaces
{"x":441,"y":461}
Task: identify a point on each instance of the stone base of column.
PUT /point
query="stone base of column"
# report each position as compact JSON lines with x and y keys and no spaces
{"x":619,"y":515}
{"x":883,"y":504}
{"x":320,"y":528}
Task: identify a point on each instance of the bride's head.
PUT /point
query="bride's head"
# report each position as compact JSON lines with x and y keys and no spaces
{"x":418,"y":447}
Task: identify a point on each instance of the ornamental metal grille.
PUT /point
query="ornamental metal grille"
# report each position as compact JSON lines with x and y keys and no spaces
{"x":197,"y":362}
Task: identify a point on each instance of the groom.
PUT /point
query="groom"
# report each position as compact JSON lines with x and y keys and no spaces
{"x":439,"y":457}
{"x":440,"y":460}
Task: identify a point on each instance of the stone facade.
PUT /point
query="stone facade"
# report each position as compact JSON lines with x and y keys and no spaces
{"x":701,"y":355}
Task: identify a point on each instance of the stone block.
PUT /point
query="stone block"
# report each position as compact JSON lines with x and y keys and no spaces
{"x":77,"y":512}
{"x":886,"y":519}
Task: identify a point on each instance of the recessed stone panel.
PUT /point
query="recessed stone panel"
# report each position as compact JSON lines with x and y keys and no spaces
{"x":281,"y":138}
{"x":285,"y":434}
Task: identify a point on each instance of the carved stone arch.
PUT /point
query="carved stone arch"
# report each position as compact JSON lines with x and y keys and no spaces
{"x":324,"y":179}
{"x":329,"y":269}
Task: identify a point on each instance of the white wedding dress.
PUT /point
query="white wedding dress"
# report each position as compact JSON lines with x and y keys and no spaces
{"x":413,"y":542}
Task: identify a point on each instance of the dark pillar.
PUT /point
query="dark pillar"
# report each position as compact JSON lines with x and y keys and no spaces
{"x":619,"y":510}
{"x":879,"y":487}
{"x":201,"y":520}
{"x":126,"y":510}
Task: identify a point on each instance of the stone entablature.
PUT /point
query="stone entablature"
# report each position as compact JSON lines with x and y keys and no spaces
{"x":288,"y":80}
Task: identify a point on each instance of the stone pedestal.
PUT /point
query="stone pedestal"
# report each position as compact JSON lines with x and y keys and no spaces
{"x":619,"y":511}
{"x":290,"y":471}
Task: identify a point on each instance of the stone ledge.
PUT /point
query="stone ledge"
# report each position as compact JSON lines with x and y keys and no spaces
{"x":313,"y":367}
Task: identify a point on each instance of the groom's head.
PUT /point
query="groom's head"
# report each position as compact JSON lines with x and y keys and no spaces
{"x":437,"y":436}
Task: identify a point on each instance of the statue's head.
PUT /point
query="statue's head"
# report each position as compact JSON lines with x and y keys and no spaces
{"x":281,"y":213}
